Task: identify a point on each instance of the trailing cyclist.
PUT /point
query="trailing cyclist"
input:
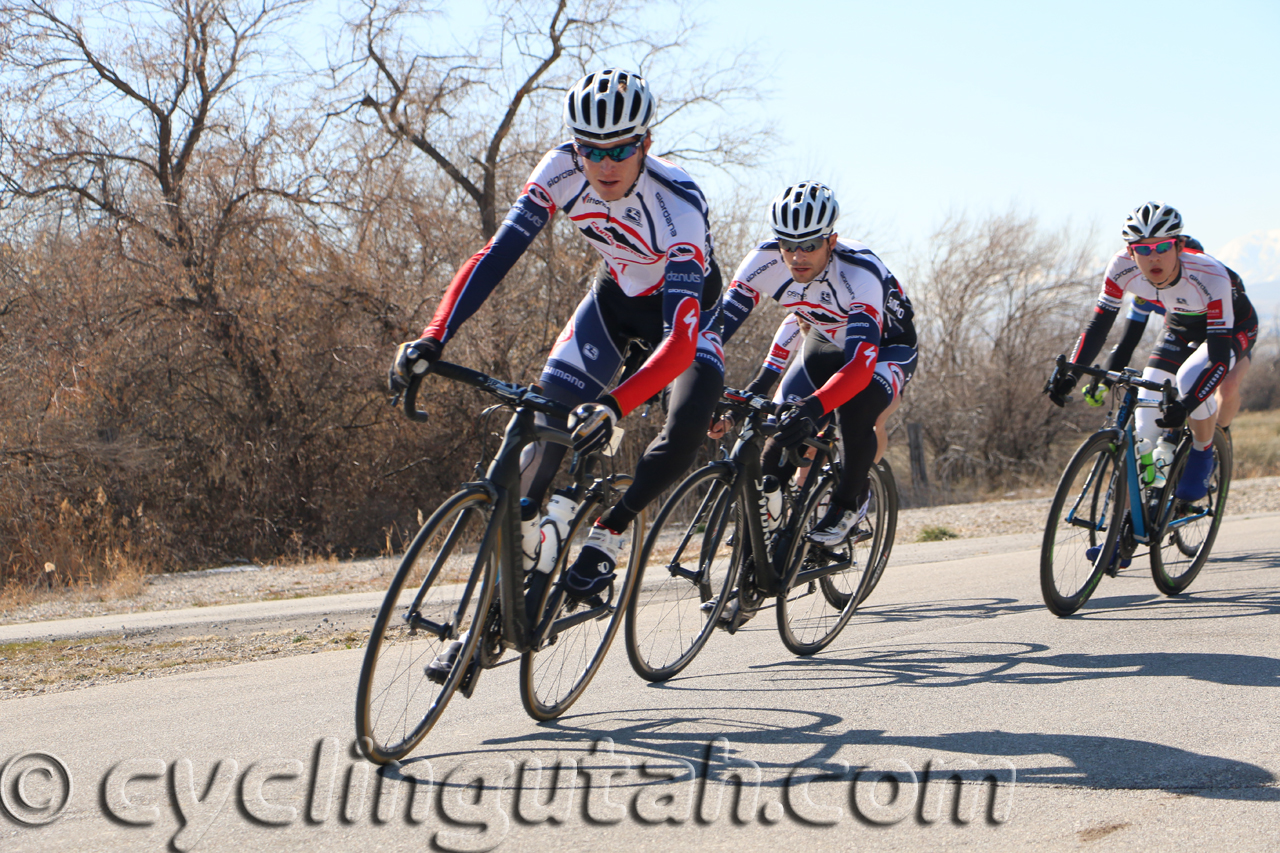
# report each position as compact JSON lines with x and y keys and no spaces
{"x":658,"y":286}
{"x":850,"y":321}
{"x":1209,"y":331}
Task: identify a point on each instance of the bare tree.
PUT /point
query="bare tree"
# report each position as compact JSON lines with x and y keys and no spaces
{"x":493,"y":105}
{"x":144,"y":118}
{"x":996,"y":300}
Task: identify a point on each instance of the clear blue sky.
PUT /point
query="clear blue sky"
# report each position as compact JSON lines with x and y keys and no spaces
{"x":1075,"y":112}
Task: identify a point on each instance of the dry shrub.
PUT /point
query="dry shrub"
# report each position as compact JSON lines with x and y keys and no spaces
{"x":996,"y":300}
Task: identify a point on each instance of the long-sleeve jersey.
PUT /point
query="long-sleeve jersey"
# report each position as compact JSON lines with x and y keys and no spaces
{"x":1199,"y":303}
{"x":855,"y":303}
{"x":655,"y":239}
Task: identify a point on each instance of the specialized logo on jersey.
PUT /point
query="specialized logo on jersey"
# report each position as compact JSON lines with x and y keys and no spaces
{"x":690,"y":320}
{"x":540,"y":196}
{"x":684,"y":252}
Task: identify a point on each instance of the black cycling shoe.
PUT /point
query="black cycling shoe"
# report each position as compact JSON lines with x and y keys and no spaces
{"x":438,"y":670}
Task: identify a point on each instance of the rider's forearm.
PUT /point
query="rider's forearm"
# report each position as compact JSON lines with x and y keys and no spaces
{"x":850,"y":380}
{"x":735,"y":306}
{"x":1094,"y":336}
{"x":1135,"y":325}
{"x":682,"y":318}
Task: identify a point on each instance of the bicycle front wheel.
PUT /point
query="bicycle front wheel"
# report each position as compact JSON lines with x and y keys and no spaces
{"x":1186,"y":530}
{"x":554,"y":675}
{"x":807,"y":621}
{"x":1080,"y":534}
{"x":443,"y":584}
{"x":689,"y":559}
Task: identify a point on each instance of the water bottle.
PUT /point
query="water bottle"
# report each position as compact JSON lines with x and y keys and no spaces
{"x":1161,"y":459}
{"x":772,"y":491}
{"x":555,"y":530}
{"x":1146,"y":467}
{"x":530,"y":534}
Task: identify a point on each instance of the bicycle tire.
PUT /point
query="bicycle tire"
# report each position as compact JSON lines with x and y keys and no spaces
{"x":555,"y":675}
{"x":396,"y":704}
{"x":1186,"y":530}
{"x":1093,"y":486}
{"x":805,"y":623}
{"x":666,"y":624}
{"x":883,"y":520}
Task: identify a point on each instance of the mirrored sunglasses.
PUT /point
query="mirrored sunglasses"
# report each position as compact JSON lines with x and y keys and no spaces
{"x":617,"y":154}
{"x":809,"y":244}
{"x":1160,"y":248}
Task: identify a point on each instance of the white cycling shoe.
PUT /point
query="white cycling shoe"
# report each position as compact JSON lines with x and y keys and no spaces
{"x":838,"y":524}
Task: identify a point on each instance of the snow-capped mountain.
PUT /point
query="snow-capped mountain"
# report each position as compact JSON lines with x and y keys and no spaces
{"x":1256,"y":257}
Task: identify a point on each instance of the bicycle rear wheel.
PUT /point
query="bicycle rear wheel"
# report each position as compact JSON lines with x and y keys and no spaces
{"x":806,"y":621}
{"x":690,"y":557}
{"x":554,"y":675}
{"x":443,"y":584}
{"x":1083,"y":525}
{"x":882,"y":520}
{"x":1187,"y":529}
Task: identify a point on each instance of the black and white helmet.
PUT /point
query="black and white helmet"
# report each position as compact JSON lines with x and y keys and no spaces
{"x":1153,"y":219}
{"x":609,"y":104}
{"x":808,"y":209}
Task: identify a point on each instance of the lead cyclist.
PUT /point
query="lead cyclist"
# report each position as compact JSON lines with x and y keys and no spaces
{"x":658,"y":285}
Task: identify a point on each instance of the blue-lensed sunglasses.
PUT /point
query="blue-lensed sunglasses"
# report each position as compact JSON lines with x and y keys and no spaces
{"x":1160,"y":248}
{"x":617,"y":154}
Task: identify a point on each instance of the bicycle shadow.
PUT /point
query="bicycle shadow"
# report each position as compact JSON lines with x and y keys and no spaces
{"x":1192,"y":604}
{"x":1096,"y":762}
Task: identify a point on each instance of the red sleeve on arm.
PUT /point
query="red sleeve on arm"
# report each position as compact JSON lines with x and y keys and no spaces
{"x":671,"y":359}
{"x":850,"y":380}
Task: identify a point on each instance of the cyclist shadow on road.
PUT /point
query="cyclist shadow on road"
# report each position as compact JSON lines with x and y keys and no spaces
{"x":807,"y":739}
{"x":1192,"y":604}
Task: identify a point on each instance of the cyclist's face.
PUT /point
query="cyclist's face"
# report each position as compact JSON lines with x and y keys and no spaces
{"x":806,"y":266}
{"x":1159,"y":268}
{"x":609,"y":178}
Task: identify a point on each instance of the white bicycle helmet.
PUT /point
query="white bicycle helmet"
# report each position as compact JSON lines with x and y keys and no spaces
{"x":808,"y":209}
{"x":1153,"y":219}
{"x":609,"y":104}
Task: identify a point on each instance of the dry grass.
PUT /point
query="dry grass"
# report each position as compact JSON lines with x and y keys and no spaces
{"x":1255,"y":438}
{"x":51,"y":666}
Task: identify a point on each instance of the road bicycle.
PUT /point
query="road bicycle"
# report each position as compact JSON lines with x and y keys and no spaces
{"x":462,"y":581}
{"x":713,"y":545}
{"x":1101,"y":512}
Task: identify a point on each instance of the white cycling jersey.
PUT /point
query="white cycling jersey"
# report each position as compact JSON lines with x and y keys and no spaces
{"x":1204,"y":287}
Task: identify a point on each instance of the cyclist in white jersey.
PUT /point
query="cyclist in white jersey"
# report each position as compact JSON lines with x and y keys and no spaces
{"x":657,"y":288}
{"x":850,"y":326}
{"x":1204,"y":339}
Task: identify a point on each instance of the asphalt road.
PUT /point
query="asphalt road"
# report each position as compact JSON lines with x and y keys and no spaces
{"x":1143,"y":723}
